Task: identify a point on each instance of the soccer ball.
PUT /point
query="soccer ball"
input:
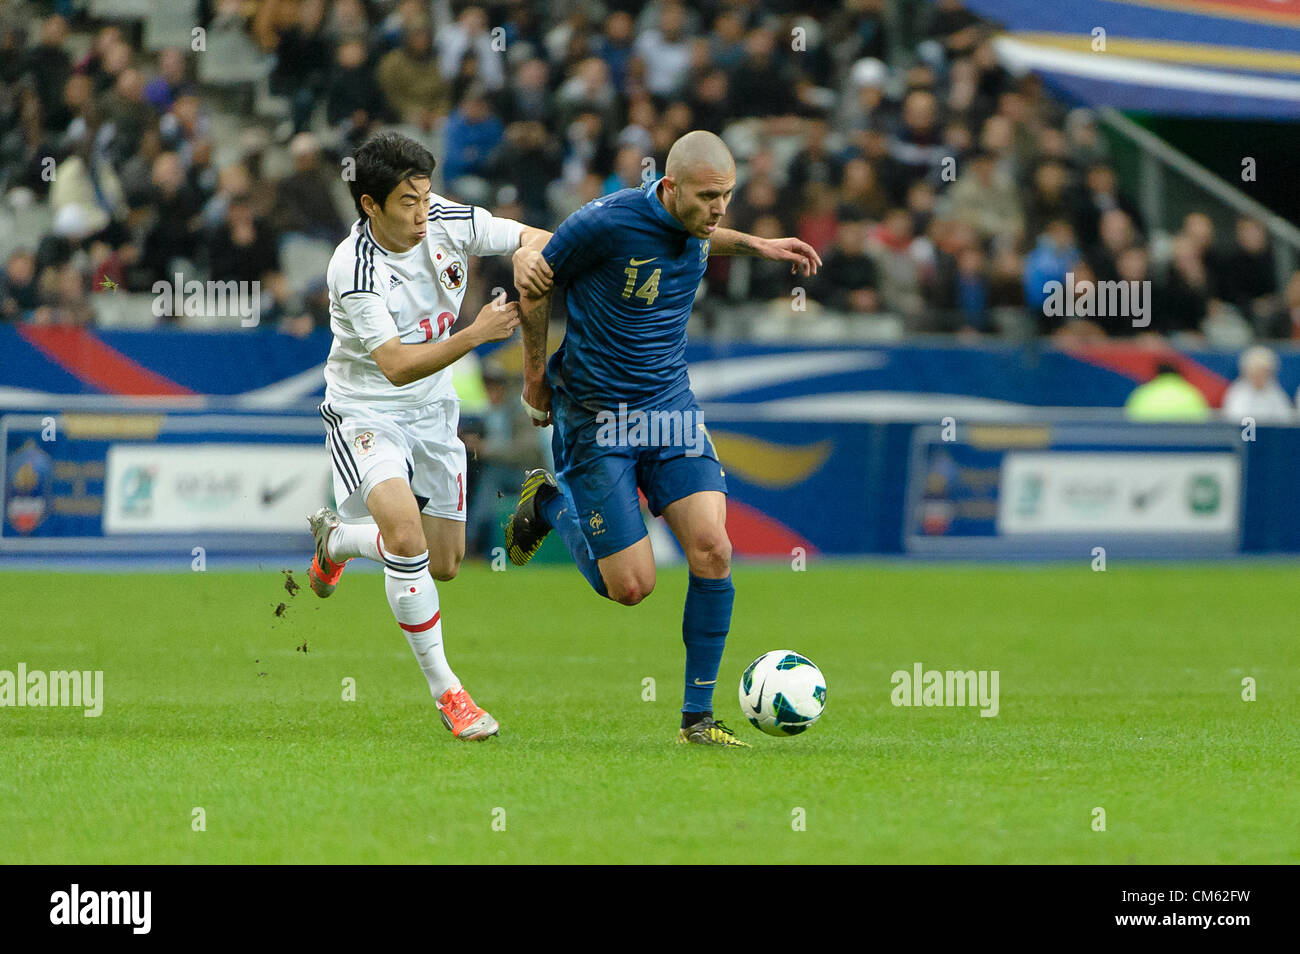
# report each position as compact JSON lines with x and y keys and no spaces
{"x":782,"y":692}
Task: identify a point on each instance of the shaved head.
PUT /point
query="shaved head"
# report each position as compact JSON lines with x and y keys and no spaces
{"x":699,"y":178}
{"x":699,"y":150}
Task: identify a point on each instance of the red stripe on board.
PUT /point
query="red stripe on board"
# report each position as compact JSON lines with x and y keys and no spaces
{"x":83,"y":355}
{"x":755,"y":534}
{"x":422,"y":627}
{"x":1139,"y":363}
{"x":1284,"y":12}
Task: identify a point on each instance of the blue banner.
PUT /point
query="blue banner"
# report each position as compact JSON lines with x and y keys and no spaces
{"x":171,"y":480}
{"x":42,"y":367}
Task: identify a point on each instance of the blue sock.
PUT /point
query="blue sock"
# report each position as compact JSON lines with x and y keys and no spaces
{"x":561,"y":514}
{"x":704,"y":631}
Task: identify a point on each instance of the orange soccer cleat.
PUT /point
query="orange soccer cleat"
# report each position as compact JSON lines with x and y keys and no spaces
{"x":324,"y":573}
{"x":465,"y":719}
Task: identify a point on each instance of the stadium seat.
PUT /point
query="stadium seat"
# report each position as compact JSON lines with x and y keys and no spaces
{"x":267,"y":104}
{"x":124,"y":310}
{"x":232,"y":59}
{"x":121,"y":9}
{"x":207,"y":322}
{"x":170,"y":24}
{"x":22,"y":228}
{"x":304,"y":260}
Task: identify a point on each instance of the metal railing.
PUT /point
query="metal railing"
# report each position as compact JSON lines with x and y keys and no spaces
{"x":1160,"y":165}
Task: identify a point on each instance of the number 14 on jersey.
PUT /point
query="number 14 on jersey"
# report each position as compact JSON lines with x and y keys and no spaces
{"x":649,"y":289}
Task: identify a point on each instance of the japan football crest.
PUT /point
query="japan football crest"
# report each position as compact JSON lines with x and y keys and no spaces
{"x":453,"y":275}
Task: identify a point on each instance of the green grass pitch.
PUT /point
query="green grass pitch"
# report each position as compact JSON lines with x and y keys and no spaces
{"x":1119,"y":690}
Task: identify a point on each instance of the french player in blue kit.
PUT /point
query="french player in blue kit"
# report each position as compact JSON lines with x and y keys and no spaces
{"x":618,"y":395}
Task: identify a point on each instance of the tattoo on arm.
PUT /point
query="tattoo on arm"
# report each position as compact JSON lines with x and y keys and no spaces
{"x":731,"y":242}
{"x":535,"y":316}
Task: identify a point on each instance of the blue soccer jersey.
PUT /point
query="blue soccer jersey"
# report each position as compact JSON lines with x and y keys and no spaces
{"x":625,"y":417}
{"x":629,"y":272}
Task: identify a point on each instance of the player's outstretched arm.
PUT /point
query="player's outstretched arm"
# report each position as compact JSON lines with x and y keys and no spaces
{"x":535,"y":316}
{"x":404,"y":363}
{"x":801,"y":256}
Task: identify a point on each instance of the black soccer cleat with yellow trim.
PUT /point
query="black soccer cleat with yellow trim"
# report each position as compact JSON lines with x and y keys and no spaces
{"x":528,"y":528}
{"x":709,"y":731}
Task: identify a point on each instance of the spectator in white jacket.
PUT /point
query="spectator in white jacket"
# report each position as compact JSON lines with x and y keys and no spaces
{"x":1256,"y":393}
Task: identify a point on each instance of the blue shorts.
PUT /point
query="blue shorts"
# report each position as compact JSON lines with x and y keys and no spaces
{"x":602,"y":458}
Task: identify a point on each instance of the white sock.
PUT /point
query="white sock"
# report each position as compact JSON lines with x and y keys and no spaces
{"x":414,"y":601}
{"x":350,"y":540}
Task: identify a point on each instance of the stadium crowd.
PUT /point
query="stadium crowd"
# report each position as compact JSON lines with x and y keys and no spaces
{"x":943,"y":192}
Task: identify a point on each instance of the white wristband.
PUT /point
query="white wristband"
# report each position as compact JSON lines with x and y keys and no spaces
{"x":535,"y":414}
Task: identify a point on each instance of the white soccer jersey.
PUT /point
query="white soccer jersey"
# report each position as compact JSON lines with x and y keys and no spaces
{"x":376,"y":295}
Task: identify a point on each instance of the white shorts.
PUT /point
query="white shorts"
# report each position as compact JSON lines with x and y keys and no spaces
{"x":419,"y":445}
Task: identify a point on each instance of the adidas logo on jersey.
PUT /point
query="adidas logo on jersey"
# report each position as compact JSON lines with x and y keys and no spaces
{"x":393,"y":282}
